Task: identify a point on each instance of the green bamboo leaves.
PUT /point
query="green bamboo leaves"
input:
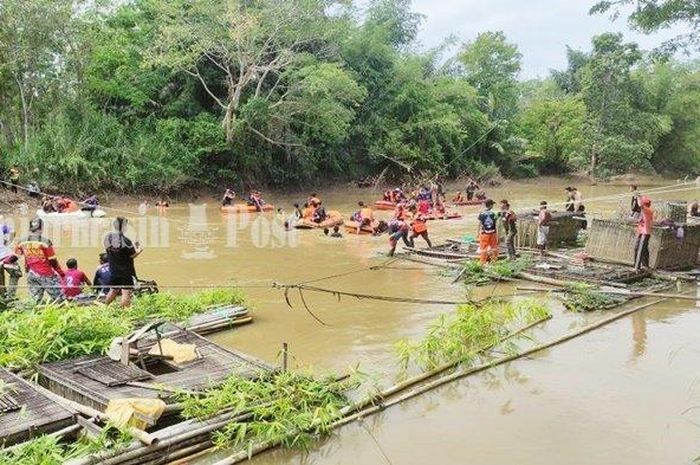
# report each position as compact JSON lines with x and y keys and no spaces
{"x":52,"y":333}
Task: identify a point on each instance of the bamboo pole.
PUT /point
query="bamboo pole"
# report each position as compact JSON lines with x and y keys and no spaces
{"x":622,"y":292}
{"x":543,"y":280}
{"x":244,"y":455}
{"x":261,"y":447}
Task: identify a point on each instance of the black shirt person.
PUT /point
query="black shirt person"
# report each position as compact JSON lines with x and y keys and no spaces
{"x":121,"y":252}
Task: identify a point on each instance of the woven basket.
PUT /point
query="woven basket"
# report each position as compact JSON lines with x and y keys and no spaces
{"x":673,"y":210}
{"x":614,"y":241}
{"x":563,"y":230}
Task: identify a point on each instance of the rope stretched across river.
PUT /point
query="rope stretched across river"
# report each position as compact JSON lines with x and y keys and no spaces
{"x":362,"y":296}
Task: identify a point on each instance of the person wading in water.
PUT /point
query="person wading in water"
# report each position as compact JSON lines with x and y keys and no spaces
{"x":121,"y":252}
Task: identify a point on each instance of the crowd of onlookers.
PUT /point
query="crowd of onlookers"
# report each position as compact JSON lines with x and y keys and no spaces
{"x":114,"y":277}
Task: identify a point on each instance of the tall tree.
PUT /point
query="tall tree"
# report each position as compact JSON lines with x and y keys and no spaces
{"x":623,"y":131}
{"x":491,"y":65}
{"x":249,"y":44}
{"x":33,"y":38}
{"x":554,"y":127}
{"x":399,"y":22}
{"x":651,"y":16}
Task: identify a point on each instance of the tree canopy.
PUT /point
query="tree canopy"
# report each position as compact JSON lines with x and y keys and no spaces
{"x":167,"y":94}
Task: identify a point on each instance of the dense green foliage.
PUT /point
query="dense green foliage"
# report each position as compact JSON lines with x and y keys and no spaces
{"x":653,"y":15}
{"x":286,"y":408}
{"x":60,"y":332}
{"x":462,"y":337}
{"x":166,"y":94}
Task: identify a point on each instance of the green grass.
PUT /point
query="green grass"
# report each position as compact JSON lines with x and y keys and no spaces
{"x":461,"y":337}
{"x":287,"y":408}
{"x":59,"y":332}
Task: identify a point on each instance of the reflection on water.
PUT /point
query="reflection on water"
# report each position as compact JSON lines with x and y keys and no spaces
{"x":639,"y":334}
{"x":579,"y":403}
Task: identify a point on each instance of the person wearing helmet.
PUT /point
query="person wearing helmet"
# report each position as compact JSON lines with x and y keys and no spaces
{"x":646,"y":221}
{"x":44,"y":273}
{"x":121,"y":252}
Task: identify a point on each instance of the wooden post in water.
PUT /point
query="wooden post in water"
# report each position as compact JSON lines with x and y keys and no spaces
{"x":285,"y":356}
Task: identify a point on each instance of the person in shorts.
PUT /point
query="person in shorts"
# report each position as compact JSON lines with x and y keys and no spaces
{"x":44,"y":273}
{"x":544,"y":218}
{"x":121,"y":252}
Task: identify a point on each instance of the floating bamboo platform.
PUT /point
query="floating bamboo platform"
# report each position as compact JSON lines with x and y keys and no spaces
{"x":94,"y":381}
{"x":218,"y":319}
{"x":25,"y":412}
{"x":614,"y":241}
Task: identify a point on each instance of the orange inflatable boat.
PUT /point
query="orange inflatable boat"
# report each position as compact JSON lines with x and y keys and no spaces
{"x":245,"y":208}
{"x":351,"y":227}
{"x":446,"y":216}
{"x":333,"y":218}
{"x":468,"y":203}
{"x":384,"y":205}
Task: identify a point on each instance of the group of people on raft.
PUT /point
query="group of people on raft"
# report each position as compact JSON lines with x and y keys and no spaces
{"x":58,"y":204}
{"x":253,"y":199}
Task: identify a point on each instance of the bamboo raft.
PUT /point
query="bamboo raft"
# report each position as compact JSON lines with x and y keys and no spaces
{"x":94,"y":381}
{"x":25,"y":412}
{"x":218,"y":319}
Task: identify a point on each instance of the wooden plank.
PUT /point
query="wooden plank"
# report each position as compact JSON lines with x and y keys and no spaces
{"x":37,"y":413}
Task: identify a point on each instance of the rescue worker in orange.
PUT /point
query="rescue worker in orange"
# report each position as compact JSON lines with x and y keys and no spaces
{"x":644,"y":228}
{"x":488,"y":236}
{"x":419,"y":227}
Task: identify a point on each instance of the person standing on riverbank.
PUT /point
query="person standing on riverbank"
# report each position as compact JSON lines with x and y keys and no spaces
{"x":544,"y":218}
{"x":646,"y":221}
{"x":509,"y":219}
{"x":8,"y":260}
{"x":488,"y":236}
{"x":44,"y":271}
{"x":121,"y":252}
{"x":14,"y":179}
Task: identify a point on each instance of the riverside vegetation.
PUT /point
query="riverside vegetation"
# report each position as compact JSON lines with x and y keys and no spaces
{"x":162,"y":95}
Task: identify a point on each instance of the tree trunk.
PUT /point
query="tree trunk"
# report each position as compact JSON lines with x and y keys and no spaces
{"x":231,"y":113}
{"x":25,"y":110}
{"x":594,"y":161}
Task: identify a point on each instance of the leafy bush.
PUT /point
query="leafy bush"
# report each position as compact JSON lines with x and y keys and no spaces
{"x":465,"y":335}
{"x":60,"y":332}
{"x":286,"y":408}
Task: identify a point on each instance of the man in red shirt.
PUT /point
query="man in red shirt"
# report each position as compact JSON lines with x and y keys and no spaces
{"x":73,"y":280}
{"x":43,"y":270}
{"x":646,"y":221}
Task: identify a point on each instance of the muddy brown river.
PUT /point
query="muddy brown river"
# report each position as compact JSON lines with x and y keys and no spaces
{"x":625,"y":394}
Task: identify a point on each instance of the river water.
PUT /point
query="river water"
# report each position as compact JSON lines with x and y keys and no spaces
{"x":627,"y":394}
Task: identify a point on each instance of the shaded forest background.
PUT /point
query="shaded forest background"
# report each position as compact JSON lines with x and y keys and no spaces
{"x":162,"y":95}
